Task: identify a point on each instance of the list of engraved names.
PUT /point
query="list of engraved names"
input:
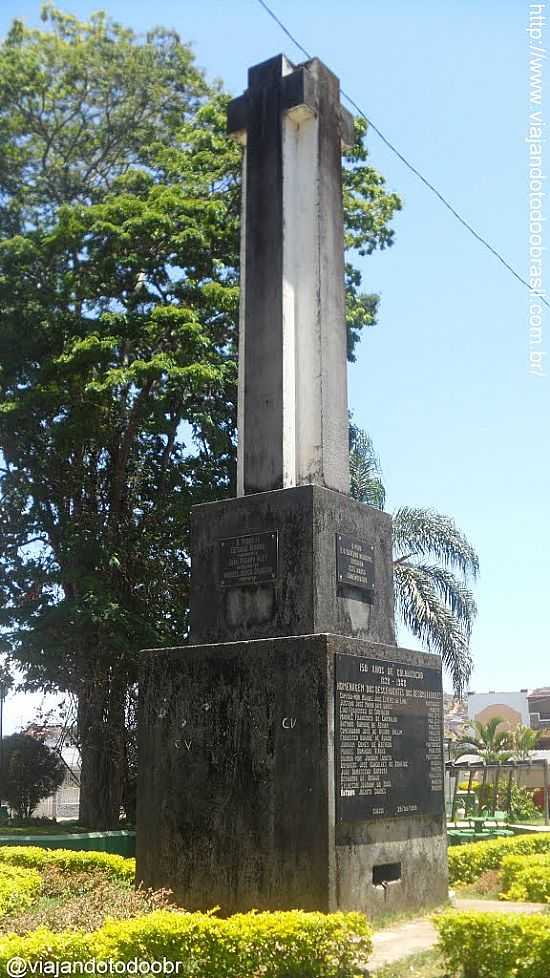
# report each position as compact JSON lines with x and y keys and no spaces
{"x":249,"y":559}
{"x":389,"y":739}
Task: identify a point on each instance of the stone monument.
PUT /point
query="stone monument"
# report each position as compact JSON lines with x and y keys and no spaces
{"x":291,"y":755}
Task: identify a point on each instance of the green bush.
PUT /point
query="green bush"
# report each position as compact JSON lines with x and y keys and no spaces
{"x":521,"y":805}
{"x":495,"y":945}
{"x":80,"y":902}
{"x":526,"y":878}
{"x":112,"y":866}
{"x":273,"y":945}
{"x":467,"y":863}
{"x":18,"y":888}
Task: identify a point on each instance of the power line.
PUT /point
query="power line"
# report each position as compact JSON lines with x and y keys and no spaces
{"x":410,"y":166}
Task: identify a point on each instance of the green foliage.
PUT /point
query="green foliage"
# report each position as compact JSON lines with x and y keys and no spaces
{"x":468,"y":862}
{"x":368,"y":210}
{"x":18,"y":888}
{"x":526,"y":878}
{"x":522,"y":741}
{"x":107,"y":864}
{"x":520,"y":804}
{"x":119,"y":275}
{"x":516,"y":800}
{"x":6,"y":680}
{"x":80,"y":901}
{"x":486,"y":740}
{"x":492,"y":945}
{"x":433,"y":595}
{"x":433,"y":564}
{"x":119,"y":290}
{"x":365,"y":470}
{"x":30,"y":771}
{"x":274,"y":945}
{"x":77,"y":105}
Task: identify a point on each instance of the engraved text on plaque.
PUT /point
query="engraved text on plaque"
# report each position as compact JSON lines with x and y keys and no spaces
{"x":388,"y":739}
{"x":249,"y":559}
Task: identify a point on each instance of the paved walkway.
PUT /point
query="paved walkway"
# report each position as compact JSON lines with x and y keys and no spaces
{"x":414,"y":936}
{"x":530,"y":828}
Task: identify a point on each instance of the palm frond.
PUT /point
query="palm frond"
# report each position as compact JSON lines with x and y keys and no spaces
{"x":432,"y":622}
{"x":423,"y":532}
{"x":456,"y":596}
{"x":366,"y":483}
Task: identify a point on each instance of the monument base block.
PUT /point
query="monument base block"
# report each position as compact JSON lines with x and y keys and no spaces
{"x":254,"y":787}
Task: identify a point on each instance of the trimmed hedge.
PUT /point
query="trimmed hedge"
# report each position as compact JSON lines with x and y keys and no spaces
{"x":468,"y":862}
{"x":526,"y":878}
{"x":495,"y":945}
{"x":32,"y":857}
{"x":119,"y":842}
{"x":273,"y":945}
{"x":18,"y":888}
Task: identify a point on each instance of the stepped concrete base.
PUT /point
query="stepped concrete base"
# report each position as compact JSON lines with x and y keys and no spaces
{"x":237,"y":800}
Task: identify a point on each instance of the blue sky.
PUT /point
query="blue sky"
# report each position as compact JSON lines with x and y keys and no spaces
{"x":442,"y":382}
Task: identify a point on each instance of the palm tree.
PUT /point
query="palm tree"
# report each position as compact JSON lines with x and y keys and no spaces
{"x":487,"y":741}
{"x":523,"y":740}
{"x":365,"y":470}
{"x":433,"y":564}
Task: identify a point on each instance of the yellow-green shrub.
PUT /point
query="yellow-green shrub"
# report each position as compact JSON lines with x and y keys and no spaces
{"x":18,"y":887}
{"x":495,"y":945}
{"x":273,"y":945}
{"x":467,"y":863}
{"x":526,"y":878}
{"x":33,"y":857}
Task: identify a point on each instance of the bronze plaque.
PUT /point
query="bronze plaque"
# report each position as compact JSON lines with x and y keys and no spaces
{"x":354,"y":562}
{"x":250,"y":559}
{"x":388,"y":739}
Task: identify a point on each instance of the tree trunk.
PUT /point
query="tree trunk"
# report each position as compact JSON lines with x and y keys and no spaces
{"x":101,"y":732}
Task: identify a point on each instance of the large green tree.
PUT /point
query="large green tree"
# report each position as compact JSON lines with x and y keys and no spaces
{"x":119,"y":223}
{"x":30,"y":771}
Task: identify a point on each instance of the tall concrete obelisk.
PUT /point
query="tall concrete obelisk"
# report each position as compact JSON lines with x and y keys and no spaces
{"x":293,"y":408}
{"x":292,"y":755}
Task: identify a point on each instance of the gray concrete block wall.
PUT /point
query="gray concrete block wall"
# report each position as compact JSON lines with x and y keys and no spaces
{"x":305,"y":599}
{"x":236,"y":802}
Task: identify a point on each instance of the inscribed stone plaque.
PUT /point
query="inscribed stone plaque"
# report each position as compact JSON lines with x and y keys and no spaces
{"x":388,"y":739}
{"x":354,"y":562}
{"x":249,"y":559}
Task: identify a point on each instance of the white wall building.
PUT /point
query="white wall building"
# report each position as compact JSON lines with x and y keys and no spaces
{"x":513,"y":707}
{"x":64,"y":804}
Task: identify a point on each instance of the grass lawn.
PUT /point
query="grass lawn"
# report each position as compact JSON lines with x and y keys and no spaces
{"x":487,"y":887}
{"x":402,"y":917}
{"x":428,"y":964}
{"x":51,"y":828}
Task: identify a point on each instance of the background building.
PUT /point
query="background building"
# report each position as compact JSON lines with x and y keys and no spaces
{"x":65,"y":802}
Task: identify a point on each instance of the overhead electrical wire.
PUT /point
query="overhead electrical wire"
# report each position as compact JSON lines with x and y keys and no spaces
{"x":413,"y":169}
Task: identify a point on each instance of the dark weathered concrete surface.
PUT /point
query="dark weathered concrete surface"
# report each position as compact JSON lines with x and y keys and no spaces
{"x":236,"y":801}
{"x":286,"y":437}
{"x":305,"y":598}
{"x":233,"y":797}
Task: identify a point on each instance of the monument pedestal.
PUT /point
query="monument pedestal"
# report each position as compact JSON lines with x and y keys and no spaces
{"x":291,"y":562}
{"x":272,"y":774}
